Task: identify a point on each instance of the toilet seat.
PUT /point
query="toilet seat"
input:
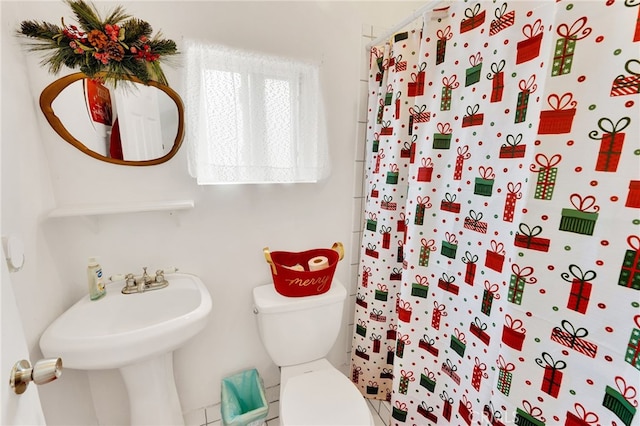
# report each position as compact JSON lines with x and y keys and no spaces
{"x":323,"y":397}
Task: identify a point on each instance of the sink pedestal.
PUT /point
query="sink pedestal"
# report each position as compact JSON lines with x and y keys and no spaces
{"x":153,"y":397}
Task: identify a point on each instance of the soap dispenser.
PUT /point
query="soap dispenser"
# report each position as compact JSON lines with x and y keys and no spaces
{"x":94,"y":276}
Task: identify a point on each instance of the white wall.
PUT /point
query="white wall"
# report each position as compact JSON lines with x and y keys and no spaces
{"x":221,"y":240}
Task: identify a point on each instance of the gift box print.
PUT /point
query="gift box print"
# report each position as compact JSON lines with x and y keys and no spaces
{"x":426,"y":247}
{"x":497,"y":86}
{"x":513,"y":332}
{"x":524,"y":418}
{"x":633,"y":196}
{"x":427,"y":412}
{"x":381,"y":293}
{"x":422,"y":203}
{"x":632,"y":355}
{"x":529,"y":48}
{"x":630,"y":269}
{"x":490,"y":293}
{"x":519,"y":278}
{"x":473,"y":117}
{"x":442,"y":139}
{"x":483,"y":187}
{"x":552,"y":379}
{"x":474,"y":18}
{"x":428,"y":345}
{"x":388,"y":204}
{"x":392,"y":174}
{"x":463,"y":154}
{"x":582,"y":218}
{"x":527,"y":87}
{"x":449,"y":204}
{"x":428,"y":380}
{"x":448,"y":85}
{"x":514,"y":148}
{"x":372,"y":222}
{"x":371,"y":251}
{"x":478,"y":329}
{"x":425,"y":171}
{"x":618,"y":401}
{"x":386,"y":373}
{"x":484,"y":183}
{"x":471,"y":261}
{"x":399,"y":412}
{"x":504,"y":20}
{"x":572,"y":338}
{"x":547,"y":174}
{"x":472,"y":74}
{"x":465,"y":410}
{"x":565,"y":46}
{"x":439,"y":311}
{"x":450,"y":370}
{"x":449,"y":246}
{"x":559,"y":118}
{"x":580,"y":287}
{"x":494,"y":258}
{"x":505,"y":376}
{"x":446,"y":283}
{"x":416,"y":86}
{"x":493,"y":416}
{"x":458,"y":343}
{"x":479,"y":373}
{"x":441,"y":44}
{"x":611,"y":143}
{"x":582,"y":417}
{"x":627,"y":84}
{"x":405,"y":378}
{"x":474,"y":223}
{"x":528,"y":238}
{"x":362,"y":353}
{"x":387,"y":129}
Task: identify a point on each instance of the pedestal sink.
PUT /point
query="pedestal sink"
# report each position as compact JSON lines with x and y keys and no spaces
{"x":137,"y":334}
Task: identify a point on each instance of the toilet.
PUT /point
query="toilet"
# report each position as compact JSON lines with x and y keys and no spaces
{"x":298,"y":333}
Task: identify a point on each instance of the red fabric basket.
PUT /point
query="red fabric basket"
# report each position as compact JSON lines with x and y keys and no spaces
{"x":299,"y":283}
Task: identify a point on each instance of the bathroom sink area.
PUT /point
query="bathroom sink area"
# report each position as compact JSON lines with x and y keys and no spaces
{"x":120,"y":329}
{"x":137,"y":334}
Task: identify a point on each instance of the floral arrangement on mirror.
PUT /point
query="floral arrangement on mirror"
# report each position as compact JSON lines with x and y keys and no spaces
{"x":111,"y":49}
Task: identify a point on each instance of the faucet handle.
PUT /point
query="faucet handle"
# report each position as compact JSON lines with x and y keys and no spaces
{"x":145,"y":277}
{"x":130,"y":280}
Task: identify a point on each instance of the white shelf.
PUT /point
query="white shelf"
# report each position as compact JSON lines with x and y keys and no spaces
{"x":118,"y":208}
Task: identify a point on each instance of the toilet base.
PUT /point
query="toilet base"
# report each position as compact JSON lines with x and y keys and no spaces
{"x":316,"y":393}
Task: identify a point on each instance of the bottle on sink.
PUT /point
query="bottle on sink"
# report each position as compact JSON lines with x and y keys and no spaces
{"x":94,"y":276}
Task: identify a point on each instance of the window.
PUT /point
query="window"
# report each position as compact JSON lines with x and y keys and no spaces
{"x":253,"y":118}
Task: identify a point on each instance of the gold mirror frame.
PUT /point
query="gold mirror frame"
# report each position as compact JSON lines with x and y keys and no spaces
{"x":51,"y":92}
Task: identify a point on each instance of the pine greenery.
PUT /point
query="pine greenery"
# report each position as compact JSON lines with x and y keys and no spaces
{"x":118,"y":46}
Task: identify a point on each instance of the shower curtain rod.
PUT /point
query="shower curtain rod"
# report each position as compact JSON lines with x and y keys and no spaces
{"x":415,"y":15}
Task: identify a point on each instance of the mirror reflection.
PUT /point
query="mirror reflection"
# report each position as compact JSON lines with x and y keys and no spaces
{"x":132,"y":123}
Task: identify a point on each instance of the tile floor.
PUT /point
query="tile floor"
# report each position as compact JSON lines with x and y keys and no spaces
{"x":210,"y":416}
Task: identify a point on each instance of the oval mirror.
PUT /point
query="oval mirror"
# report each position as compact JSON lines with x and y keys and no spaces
{"x":133,"y":123}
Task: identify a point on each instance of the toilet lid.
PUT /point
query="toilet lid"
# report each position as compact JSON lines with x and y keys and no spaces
{"x":323,"y":397}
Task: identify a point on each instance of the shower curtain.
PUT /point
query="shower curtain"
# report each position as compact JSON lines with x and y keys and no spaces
{"x":499,"y":278}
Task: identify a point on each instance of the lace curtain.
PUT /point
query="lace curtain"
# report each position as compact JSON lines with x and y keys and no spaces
{"x":253,"y":118}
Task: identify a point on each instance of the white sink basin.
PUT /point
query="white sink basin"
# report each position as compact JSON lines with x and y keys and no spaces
{"x":136,"y":333}
{"x":122,"y":329}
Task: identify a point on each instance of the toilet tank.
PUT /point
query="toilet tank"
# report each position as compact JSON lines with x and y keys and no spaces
{"x":295,"y":330}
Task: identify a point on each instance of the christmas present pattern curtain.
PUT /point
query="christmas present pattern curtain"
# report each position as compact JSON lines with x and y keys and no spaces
{"x":501,"y":249}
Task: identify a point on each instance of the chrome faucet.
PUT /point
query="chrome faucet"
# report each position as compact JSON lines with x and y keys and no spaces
{"x":145,"y":282}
